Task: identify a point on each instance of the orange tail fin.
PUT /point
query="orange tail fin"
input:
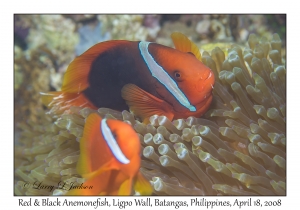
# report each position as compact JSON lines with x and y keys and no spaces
{"x":60,"y":101}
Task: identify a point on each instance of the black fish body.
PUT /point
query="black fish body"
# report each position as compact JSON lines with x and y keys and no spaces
{"x":146,"y":78}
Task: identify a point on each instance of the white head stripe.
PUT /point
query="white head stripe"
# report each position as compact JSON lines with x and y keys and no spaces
{"x":112,"y":143}
{"x":163,"y":77}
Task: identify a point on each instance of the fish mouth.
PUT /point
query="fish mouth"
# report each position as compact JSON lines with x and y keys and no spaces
{"x":209,"y":76}
{"x":206,"y":86}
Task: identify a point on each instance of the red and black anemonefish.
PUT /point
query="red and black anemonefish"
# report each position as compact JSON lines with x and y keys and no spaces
{"x":110,"y":159}
{"x":146,"y":77}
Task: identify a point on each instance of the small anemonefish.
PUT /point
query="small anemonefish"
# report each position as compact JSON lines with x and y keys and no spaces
{"x":146,"y":77}
{"x":110,"y":159}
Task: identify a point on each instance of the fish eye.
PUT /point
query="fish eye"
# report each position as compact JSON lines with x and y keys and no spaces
{"x":178,"y":76}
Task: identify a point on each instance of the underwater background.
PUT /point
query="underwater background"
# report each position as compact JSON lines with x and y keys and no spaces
{"x":248,"y":111}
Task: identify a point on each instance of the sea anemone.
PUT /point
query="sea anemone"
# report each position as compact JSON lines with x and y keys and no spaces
{"x":237,"y":148}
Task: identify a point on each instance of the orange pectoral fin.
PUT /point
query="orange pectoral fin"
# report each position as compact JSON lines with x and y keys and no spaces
{"x":111,"y":165}
{"x":143,"y":104}
{"x":183,"y":44}
{"x":142,"y":186}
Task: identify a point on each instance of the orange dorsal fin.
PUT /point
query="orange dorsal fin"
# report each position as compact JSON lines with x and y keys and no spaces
{"x":183,"y":44}
{"x":143,"y":104}
{"x":95,"y":156}
{"x":141,"y":185}
{"x":76,"y":76}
